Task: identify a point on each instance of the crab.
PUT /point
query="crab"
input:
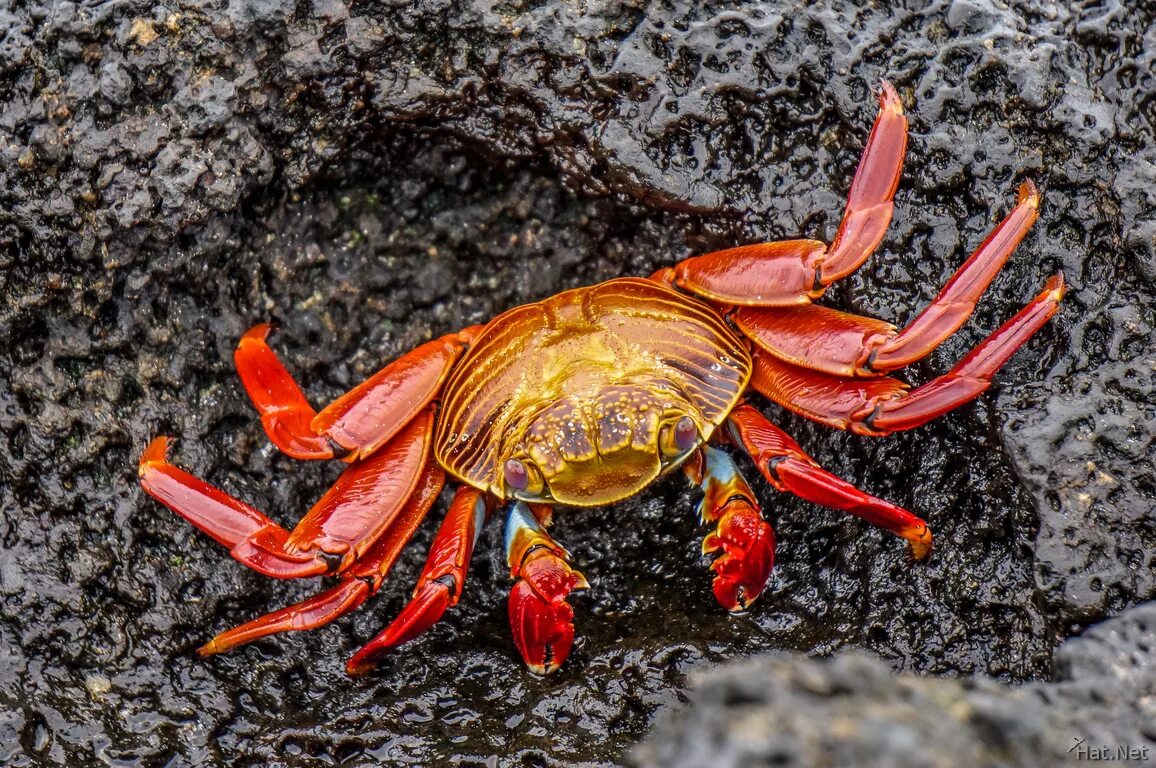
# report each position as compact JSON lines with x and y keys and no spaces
{"x":585,"y":399}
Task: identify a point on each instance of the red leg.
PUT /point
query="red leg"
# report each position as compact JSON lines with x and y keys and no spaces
{"x":869,"y":204}
{"x":360,"y":421}
{"x":790,"y":470}
{"x":541,"y":620}
{"x":360,"y":582}
{"x":440,"y":583}
{"x":795,"y":271}
{"x":335,"y":532}
{"x":882,"y":405}
{"x":285,"y":413}
{"x":745,"y":540}
{"x":776,"y":274}
{"x":825,"y":339}
{"x":957,"y":300}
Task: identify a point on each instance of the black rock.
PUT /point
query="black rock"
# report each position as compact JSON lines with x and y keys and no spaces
{"x":785,"y":709}
{"x":371,"y":174}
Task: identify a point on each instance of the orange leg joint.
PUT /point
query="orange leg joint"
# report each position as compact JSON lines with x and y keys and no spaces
{"x":541,"y":620}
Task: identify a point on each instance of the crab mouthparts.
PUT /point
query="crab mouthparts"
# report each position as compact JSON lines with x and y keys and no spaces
{"x":603,"y":480}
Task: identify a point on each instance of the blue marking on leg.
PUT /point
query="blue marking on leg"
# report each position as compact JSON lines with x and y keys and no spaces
{"x":519,"y":516}
{"x":717,"y":468}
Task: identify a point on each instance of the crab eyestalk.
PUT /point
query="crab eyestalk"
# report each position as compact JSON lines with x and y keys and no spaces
{"x":541,"y":620}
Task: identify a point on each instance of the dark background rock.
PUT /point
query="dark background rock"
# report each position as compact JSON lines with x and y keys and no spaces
{"x":371,"y":174}
{"x":850,"y":710}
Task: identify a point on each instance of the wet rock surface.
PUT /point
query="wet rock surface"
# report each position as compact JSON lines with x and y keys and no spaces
{"x":851,"y":710}
{"x":371,"y":174}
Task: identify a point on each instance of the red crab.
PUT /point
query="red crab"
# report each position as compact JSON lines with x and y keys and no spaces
{"x":584,"y":399}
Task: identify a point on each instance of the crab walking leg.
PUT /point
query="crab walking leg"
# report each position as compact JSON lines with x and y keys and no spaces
{"x":869,"y":204}
{"x":828,"y":340}
{"x":883,"y":405}
{"x":793,"y":272}
{"x":347,"y":520}
{"x":360,"y":421}
{"x":541,"y":620}
{"x":440,"y":585}
{"x":785,"y":466}
{"x":745,"y":539}
{"x":360,"y":582}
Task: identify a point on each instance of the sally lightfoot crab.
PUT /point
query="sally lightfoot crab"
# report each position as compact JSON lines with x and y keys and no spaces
{"x":584,"y":399}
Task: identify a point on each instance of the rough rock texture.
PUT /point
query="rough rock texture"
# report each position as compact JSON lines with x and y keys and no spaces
{"x":850,"y":710}
{"x":374,"y":173}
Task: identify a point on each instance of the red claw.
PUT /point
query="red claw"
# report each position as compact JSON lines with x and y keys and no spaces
{"x":540,"y":618}
{"x":747,"y":543}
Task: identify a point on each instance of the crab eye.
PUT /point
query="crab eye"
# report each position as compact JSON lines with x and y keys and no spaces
{"x":523,"y":479}
{"x":680,"y":437}
{"x":685,"y":434}
{"x":517,"y":476}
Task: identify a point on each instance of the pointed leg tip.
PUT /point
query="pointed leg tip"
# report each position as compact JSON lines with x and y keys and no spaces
{"x":422,"y":612}
{"x":258,"y":332}
{"x":920,"y":543}
{"x":368,"y":658}
{"x":210,"y":648}
{"x":357,"y":668}
{"x":889,"y":98}
{"x":1028,"y":194}
{"x":1057,"y":287}
{"x":155,"y":453}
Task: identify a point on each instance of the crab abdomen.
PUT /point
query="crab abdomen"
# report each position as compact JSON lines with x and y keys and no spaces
{"x":625,"y":332}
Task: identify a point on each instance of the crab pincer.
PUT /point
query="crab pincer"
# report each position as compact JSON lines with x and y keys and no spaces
{"x":742,"y":539}
{"x":541,"y":620}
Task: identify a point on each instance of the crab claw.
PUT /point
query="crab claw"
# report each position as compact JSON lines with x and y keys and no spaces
{"x":747,"y":543}
{"x":541,"y":620}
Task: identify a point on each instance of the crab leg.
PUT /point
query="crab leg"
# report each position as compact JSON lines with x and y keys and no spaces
{"x":785,"y":466}
{"x":360,"y":582}
{"x":835,"y":342}
{"x":869,"y":204}
{"x":339,"y":528}
{"x":440,"y":583}
{"x":360,"y":421}
{"x":745,"y":539}
{"x":883,"y":405}
{"x":540,"y":618}
{"x":793,"y":272}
